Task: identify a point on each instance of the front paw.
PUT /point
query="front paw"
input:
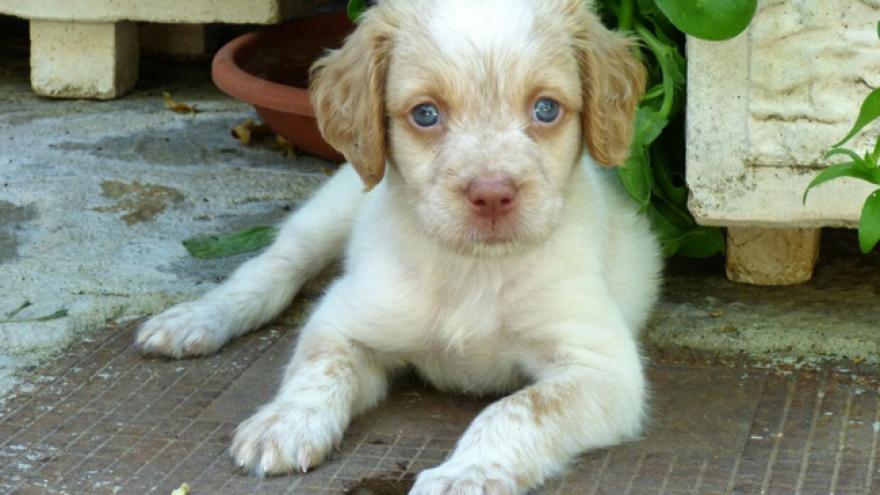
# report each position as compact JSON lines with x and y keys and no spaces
{"x":188,"y":329}
{"x":283,"y":438}
{"x":465,"y":478}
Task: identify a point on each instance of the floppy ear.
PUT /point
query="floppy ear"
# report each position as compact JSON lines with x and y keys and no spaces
{"x":348,"y":93}
{"x":613,"y":84}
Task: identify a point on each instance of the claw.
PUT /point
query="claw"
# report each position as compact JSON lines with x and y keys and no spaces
{"x":305,"y":455}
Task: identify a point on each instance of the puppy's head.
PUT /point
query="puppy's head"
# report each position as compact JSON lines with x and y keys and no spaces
{"x":481,"y":108}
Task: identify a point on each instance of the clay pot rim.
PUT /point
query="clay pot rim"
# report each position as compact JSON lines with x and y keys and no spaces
{"x":240,"y":84}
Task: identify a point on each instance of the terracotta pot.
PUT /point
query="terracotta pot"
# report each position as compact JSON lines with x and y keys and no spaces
{"x":269,"y":69}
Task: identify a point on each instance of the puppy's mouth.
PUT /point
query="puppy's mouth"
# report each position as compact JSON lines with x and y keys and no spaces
{"x":494,"y":231}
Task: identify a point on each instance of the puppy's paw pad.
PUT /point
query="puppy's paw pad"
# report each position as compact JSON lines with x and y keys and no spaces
{"x":188,"y":329}
{"x":454,"y":478}
{"x":284,"y":438}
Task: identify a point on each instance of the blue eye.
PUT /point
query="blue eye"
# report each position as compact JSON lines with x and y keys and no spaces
{"x":546,"y":110}
{"x":426,"y":115}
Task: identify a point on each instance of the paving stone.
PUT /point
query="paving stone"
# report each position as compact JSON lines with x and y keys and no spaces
{"x":713,"y":429}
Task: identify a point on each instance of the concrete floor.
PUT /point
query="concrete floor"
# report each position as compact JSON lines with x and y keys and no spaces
{"x":745,"y":400}
{"x":96,"y":197}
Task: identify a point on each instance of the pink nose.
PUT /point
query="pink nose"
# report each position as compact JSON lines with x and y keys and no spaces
{"x":492,"y":196}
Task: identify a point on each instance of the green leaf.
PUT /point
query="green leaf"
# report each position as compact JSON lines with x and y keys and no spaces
{"x":679,"y":234}
{"x":702,"y":242}
{"x":869,"y":224}
{"x":870,"y":110}
{"x":220,"y":246}
{"x":636,"y":174}
{"x":875,"y":155}
{"x":859,"y":161}
{"x":61,"y":313}
{"x":663,"y":179}
{"x":668,"y":233}
{"x":648,"y":11}
{"x":655,"y":92}
{"x":19,"y":309}
{"x":671,"y":68}
{"x":356,"y":8}
{"x":848,"y":169}
{"x":709,"y":19}
{"x":647,"y":8}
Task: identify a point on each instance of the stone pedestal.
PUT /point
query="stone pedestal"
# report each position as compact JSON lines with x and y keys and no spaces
{"x":771,"y":256}
{"x":764,"y":107}
{"x":83,"y":59}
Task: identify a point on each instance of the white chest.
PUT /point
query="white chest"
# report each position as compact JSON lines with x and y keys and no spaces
{"x":469,"y":342}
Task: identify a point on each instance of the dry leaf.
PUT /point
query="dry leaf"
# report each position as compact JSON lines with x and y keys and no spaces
{"x":176,"y":106}
{"x":716,"y":314}
{"x":285,"y":146}
{"x":249,"y":131}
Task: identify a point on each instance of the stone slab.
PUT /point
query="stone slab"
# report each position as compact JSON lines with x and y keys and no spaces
{"x":764,"y":107}
{"x":168,"y":11}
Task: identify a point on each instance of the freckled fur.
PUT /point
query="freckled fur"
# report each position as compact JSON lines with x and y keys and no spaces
{"x":544,"y":305}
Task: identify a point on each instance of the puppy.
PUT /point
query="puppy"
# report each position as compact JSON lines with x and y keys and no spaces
{"x":489,"y":252}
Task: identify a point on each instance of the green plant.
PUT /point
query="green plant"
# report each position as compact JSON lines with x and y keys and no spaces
{"x":860,"y":167}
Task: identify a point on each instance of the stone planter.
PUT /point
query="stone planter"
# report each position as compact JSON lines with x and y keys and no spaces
{"x":90,"y":48}
{"x":762,"y":110}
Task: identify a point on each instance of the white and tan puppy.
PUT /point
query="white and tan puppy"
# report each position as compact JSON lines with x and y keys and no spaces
{"x":490,"y":251}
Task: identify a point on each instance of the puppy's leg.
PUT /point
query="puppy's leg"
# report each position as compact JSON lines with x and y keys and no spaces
{"x":583,"y":401}
{"x":261,"y":288}
{"x":329,"y":380}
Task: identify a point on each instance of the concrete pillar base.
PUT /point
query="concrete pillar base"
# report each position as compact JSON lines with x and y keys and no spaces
{"x":83,"y":59}
{"x":760,"y":256}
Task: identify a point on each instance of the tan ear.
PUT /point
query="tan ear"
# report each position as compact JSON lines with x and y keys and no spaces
{"x":348,"y":92}
{"x":614,"y":82}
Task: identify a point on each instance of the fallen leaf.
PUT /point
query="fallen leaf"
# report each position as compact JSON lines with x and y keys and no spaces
{"x":61,"y":313}
{"x":716,"y":314}
{"x":19,"y":309}
{"x":220,"y":246}
{"x":177,"y":106}
{"x":249,"y":131}
{"x":285,"y":146}
{"x":183,"y":490}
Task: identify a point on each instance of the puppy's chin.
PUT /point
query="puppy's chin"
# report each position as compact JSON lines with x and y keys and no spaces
{"x":482,"y":238}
